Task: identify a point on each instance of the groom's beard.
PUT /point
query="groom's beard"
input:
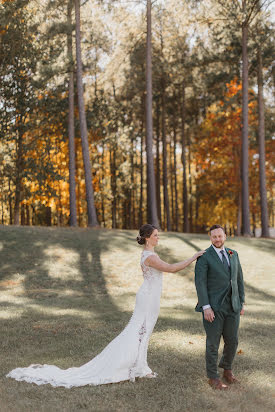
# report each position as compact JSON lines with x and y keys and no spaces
{"x":218,"y":244}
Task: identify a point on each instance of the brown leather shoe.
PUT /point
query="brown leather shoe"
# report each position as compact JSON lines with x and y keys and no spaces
{"x":217,"y":384}
{"x":229,"y":377}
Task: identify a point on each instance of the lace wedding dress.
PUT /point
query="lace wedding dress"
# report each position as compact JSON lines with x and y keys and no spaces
{"x":124,"y":358}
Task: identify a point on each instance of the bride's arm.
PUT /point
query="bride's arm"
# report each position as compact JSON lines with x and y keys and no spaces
{"x":155,"y":262}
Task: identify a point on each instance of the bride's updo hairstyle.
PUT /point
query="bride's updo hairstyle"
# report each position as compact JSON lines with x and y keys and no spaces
{"x":145,"y":232}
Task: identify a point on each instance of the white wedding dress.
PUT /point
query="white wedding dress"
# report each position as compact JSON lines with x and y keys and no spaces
{"x":124,"y":358}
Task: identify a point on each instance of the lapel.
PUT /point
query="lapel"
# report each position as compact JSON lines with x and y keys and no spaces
{"x":218,"y":260}
{"x":231,"y":260}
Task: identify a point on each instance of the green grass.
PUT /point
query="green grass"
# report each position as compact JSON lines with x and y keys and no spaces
{"x":65,"y":293}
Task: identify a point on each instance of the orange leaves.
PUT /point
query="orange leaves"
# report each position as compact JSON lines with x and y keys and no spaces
{"x":218,"y":151}
{"x":233,"y":88}
{"x":218,"y":148}
{"x":3,"y":30}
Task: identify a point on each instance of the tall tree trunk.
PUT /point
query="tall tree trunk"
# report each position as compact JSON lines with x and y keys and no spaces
{"x":73,"y":214}
{"x":151,"y":188}
{"x":253,"y":223}
{"x":28,"y":215}
{"x":92,"y":218}
{"x":78,"y":180}
{"x":272,"y":213}
{"x":175,"y":172}
{"x":113,"y":156}
{"x":197,"y":206}
{"x":190,"y":185}
{"x":171,"y":175}
{"x":140,"y":217}
{"x":164,"y":160}
{"x":158,"y":171}
{"x":132,"y":217}
{"x":113,"y":185}
{"x":18,"y":177}
{"x":239,"y":215}
{"x":261,"y":133}
{"x":10,"y":204}
{"x":245,"y":143}
{"x":23,"y":215}
{"x":183,"y":157}
{"x":48,"y":216}
{"x":2,"y":211}
{"x":102,"y":186}
{"x":33,"y":216}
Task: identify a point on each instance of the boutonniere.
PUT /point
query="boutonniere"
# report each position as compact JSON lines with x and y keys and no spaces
{"x":230,"y":253}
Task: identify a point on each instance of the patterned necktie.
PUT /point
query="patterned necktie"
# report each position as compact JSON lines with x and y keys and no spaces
{"x":224,"y":261}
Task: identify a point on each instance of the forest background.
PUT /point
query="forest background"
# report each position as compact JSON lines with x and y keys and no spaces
{"x":90,"y":136}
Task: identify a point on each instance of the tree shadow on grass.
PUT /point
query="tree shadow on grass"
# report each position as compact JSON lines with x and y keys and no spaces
{"x":267,"y":245}
{"x":258,"y":294}
{"x":187,"y":241}
{"x":31,"y":263}
{"x":165,"y":254}
{"x":38,"y":310}
{"x":35,"y":308}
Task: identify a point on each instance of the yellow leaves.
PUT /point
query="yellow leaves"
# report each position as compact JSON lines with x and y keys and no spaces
{"x":64,"y":185}
{"x":52,"y":202}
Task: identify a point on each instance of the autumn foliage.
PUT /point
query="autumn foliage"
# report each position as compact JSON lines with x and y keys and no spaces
{"x":218,"y":160}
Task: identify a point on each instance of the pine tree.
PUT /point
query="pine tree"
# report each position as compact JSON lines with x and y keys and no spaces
{"x":92,"y":217}
{"x":151,"y":187}
{"x":73,"y":213}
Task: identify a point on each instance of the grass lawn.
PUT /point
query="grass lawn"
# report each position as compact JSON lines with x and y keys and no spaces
{"x":65,"y":293}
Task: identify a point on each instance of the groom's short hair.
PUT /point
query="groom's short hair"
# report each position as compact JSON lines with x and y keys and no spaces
{"x":216,"y":227}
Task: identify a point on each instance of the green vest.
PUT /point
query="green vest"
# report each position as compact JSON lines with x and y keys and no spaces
{"x":213,"y":281}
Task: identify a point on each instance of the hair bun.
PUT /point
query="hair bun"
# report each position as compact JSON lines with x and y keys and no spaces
{"x":140,"y":240}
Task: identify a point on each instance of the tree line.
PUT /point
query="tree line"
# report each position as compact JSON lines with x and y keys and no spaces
{"x":113,"y":115}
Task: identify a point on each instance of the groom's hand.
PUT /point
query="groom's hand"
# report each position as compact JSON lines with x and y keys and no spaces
{"x":209,"y":315}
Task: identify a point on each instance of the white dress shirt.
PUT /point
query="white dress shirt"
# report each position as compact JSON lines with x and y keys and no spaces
{"x":218,"y":250}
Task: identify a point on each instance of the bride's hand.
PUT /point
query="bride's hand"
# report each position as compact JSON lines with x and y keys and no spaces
{"x":198,"y":254}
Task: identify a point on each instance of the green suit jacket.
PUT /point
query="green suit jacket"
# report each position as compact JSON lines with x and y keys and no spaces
{"x":213,"y":281}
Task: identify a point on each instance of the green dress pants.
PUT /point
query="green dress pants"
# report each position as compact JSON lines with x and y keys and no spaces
{"x":225,"y":324}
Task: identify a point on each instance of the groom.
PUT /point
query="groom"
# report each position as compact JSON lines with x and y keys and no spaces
{"x":220,"y":289}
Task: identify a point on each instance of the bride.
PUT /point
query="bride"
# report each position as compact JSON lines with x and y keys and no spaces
{"x":125,"y":357}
